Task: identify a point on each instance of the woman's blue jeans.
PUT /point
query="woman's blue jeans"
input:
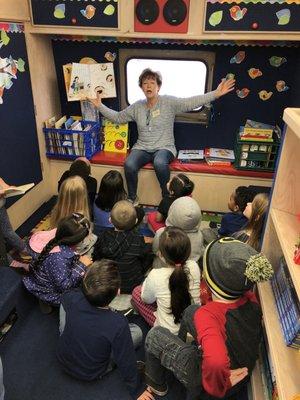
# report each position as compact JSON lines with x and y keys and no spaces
{"x":137,"y":159}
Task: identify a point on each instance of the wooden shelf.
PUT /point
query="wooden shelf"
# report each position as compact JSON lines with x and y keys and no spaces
{"x":285,"y":360}
{"x":287,"y":228}
{"x":291,"y":117}
{"x":256,"y":384}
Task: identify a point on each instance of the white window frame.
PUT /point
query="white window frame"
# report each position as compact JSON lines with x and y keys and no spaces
{"x":207,"y":57}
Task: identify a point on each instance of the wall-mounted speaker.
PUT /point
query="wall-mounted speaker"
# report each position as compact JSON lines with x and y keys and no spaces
{"x":161,"y":16}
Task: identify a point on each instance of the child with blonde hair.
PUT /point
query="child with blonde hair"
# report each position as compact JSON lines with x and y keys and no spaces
{"x":255,"y":212}
{"x":72,"y":197}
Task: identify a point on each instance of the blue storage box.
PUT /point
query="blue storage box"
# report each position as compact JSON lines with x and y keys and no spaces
{"x":70,"y":144}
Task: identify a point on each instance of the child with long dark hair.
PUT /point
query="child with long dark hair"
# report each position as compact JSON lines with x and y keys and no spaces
{"x":58,"y":267}
{"x":111,"y":191}
{"x":167,"y":291}
{"x":180,"y":185}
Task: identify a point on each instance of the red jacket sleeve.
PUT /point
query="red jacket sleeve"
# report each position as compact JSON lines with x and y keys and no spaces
{"x":216,"y":363}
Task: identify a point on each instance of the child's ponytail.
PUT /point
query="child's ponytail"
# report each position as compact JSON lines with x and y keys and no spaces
{"x":181,"y":185}
{"x":70,"y":231}
{"x":180,"y":295}
{"x":175,"y":248}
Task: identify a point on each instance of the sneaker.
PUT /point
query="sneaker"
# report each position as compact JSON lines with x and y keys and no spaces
{"x":159,"y":390}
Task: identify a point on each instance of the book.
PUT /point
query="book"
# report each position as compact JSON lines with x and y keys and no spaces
{"x":190,"y":155}
{"x":217,"y":154}
{"x":17,"y":190}
{"x":258,"y":128}
{"x":115,"y":137}
{"x":218,"y":163}
{"x":89,"y":79}
{"x":252,"y":137}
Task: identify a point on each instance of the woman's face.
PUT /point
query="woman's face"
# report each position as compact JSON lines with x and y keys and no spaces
{"x":150,"y":88}
{"x":248,"y":210}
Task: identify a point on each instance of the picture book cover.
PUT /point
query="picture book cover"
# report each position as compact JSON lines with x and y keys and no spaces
{"x":221,"y":154}
{"x":89,"y":79}
{"x":258,"y":128}
{"x":17,"y":190}
{"x":115,"y":137}
{"x":190,"y":155}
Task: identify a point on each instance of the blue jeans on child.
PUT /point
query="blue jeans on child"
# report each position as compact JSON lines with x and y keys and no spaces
{"x":137,"y":159}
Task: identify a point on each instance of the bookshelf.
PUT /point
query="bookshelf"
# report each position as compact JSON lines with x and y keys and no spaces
{"x":281,"y":234}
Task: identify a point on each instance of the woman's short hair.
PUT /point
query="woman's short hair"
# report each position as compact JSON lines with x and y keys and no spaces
{"x":148,"y":73}
{"x":101,"y":282}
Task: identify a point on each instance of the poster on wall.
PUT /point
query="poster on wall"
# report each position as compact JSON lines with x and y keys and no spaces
{"x":19,"y":150}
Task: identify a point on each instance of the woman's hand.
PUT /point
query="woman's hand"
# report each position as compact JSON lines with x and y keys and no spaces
{"x":146,"y":395}
{"x":226,"y":86}
{"x":96,"y":102}
{"x":237,"y":375}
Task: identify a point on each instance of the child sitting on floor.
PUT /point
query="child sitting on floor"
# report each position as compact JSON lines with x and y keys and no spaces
{"x":227,"y":331}
{"x":58,"y":267}
{"x":93,"y":337}
{"x":255,"y":212}
{"x":184,"y":213}
{"x":82,"y":167}
{"x":171,"y":288}
{"x":180,"y":185}
{"x":124,"y":245}
{"x":111,"y":191}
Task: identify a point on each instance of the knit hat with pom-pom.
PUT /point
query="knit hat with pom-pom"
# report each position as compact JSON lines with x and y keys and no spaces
{"x":232,"y":267}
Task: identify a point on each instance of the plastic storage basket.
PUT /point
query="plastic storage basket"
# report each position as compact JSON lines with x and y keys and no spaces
{"x":256,"y":155}
{"x":67,"y":143}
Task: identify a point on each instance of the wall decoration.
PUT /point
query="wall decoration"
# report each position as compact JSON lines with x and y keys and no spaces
{"x":281,"y":86}
{"x":276,"y":61}
{"x":237,"y":13}
{"x":254,"y":73}
{"x":242,"y":93}
{"x":19,"y":149}
{"x":254,"y":15}
{"x":215,"y":18}
{"x":110,"y":56}
{"x":229,"y":76}
{"x":238,"y":58}
{"x":264,"y":95}
{"x":87,"y":13}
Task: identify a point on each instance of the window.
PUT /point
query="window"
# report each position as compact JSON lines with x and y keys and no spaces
{"x":184,"y":74}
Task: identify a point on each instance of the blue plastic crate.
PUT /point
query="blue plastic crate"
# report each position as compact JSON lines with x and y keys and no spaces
{"x":70,"y":144}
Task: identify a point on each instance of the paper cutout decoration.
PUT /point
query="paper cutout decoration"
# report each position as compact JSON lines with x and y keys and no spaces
{"x":110,"y":56}
{"x":89,"y":12}
{"x":238,"y":58}
{"x":229,"y":76}
{"x":8,"y":71}
{"x":109,"y":10}
{"x":242,"y":93}
{"x":277,"y":61}
{"x":283,"y":16}
{"x":264,"y":95}
{"x":115,"y":137}
{"x":281,"y":86}
{"x":254,"y":73}
{"x":59,"y":11}
{"x":215,"y":18}
{"x":87,"y":60}
{"x":237,"y":13}
{"x":4,"y":38}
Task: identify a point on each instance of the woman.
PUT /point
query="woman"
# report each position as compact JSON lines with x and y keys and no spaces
{"x":155,"y":117}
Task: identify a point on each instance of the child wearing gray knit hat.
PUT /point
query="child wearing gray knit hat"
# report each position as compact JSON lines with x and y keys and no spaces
{"x":227,"y":331}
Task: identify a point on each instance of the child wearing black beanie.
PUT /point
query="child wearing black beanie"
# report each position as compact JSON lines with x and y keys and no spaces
{"x":227,"y":331}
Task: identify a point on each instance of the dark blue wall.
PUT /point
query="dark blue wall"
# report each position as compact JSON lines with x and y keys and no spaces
{"x":230,"y":111}
{"x":19,"y":150}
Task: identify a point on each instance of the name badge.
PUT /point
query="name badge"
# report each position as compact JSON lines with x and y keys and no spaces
{"x":155,"y":113}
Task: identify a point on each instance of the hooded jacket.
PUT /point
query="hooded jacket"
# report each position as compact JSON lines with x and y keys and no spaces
{"x":131,"y":253}
{"x":185,"y":213}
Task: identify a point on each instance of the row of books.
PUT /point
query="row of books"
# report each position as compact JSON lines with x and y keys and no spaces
{"x":212,"y":155}
{"x":267,"y":371}
{"x":256,"y":131}
{"x":287,"y":304}
{"x":66,"y":136}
